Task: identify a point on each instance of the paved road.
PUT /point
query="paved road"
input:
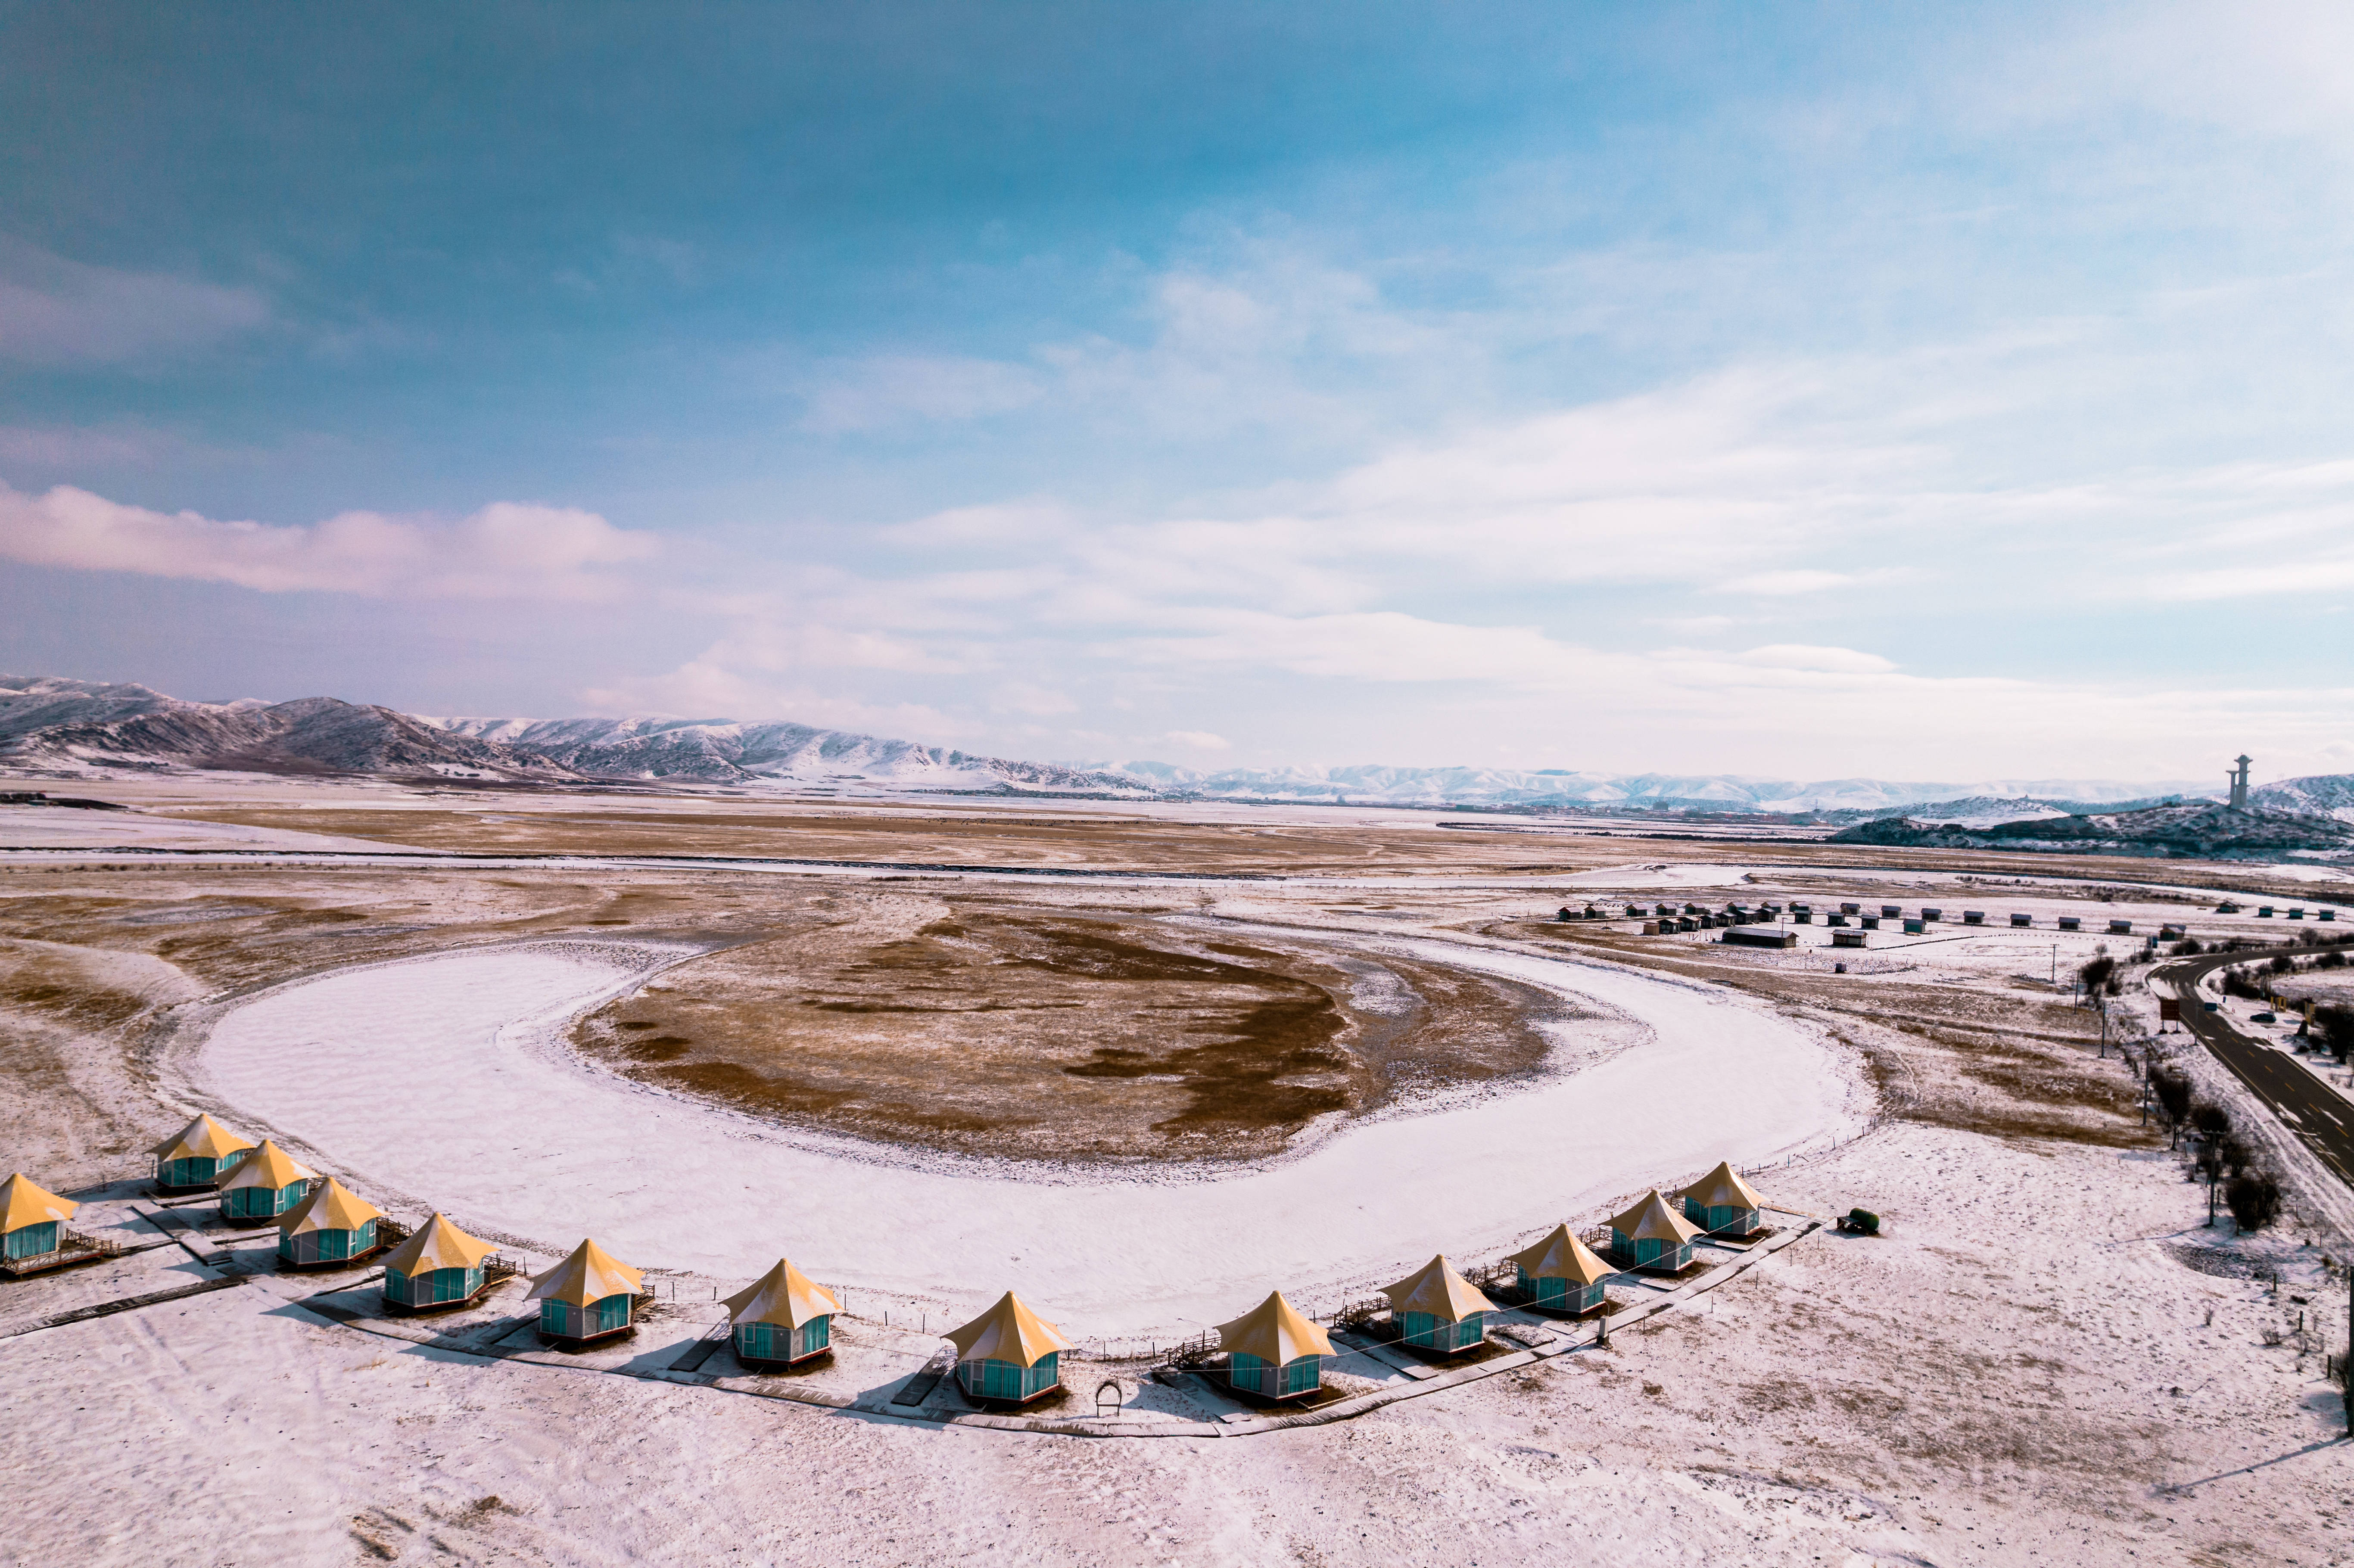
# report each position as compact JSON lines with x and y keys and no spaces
{"x":2313,"y":1111}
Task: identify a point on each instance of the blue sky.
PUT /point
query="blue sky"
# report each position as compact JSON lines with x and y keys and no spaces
{"x":1817,"y":390}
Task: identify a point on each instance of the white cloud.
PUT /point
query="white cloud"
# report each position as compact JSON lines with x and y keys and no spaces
{"x":702,"y":690}
{"x":58,"y":312}
{"x":1036,"y":701}
{"x":1783,"y":584}
{"x":507,"y":550}
{"x":1199,"y":739}
{"x":2274,"y":579}
{"x":1379,"y":645}
{"x":1794,"y":656}
{"x":1253,"y":332}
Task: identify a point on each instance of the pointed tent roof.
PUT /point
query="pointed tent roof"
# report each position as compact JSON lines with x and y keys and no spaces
{"x":439,"y":1244}
{"x":1562,"y":1255}
{"x":1653,"y":1220}
{"x":1723,"y":1188}
{"x":784,"y":1296}
{"x":1437,"y":1289}
{"x":1275,"y":1332}
{"x":586,"y":1277}
{"x":1008,"y":1331}
{"x":203,"y":1139}
{"x":268,"y":1166}
{"x":24,"y":1202}
{"x":332,"y":1206}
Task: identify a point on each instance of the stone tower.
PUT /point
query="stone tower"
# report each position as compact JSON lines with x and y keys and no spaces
{"x":2239,"y":781}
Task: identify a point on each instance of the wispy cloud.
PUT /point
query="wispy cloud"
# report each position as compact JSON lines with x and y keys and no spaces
{"x":54,"y":311}
{"x":886,"y":391}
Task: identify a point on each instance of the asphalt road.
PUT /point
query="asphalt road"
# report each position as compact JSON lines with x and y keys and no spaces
{"x":2311,"y":1109}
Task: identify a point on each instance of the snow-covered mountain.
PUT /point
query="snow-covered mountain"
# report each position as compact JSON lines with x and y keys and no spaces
{"x":51,"y":726}
{"x":722,"y":751}
{"x":1649,"y":791}
{"x":2321,"y":795}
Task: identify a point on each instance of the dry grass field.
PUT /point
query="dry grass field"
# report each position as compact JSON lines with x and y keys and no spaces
{"x":1008,"y":1026}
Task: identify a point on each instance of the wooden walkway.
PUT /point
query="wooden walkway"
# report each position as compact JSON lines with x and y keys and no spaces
{"x":127,"y":1304}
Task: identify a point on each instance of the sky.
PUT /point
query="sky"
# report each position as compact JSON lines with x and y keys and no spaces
{"x":1807,"y":391}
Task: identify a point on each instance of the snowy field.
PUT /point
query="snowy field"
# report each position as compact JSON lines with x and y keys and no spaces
{"x":447,"y":1083}
{"x":2110,"y":1383}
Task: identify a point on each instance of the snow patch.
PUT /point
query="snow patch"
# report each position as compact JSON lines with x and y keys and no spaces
{"x":448,"y":1081}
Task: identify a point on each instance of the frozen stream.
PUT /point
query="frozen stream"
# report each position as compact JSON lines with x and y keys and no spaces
{"x":445,"y":1083}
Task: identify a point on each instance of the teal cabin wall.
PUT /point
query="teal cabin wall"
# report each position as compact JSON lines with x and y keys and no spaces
{"x":775,"y":1343}
{"x":1005,"y":1380}
{"x":1424,"y":1330}
{"x":432,"y":1288}
{"x":563,"y":1321}
{"x":32,"y":1241}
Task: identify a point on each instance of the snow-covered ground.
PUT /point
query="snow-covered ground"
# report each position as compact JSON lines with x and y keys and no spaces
{"x":446,"y":1083}
{"x":2003,"y":1377}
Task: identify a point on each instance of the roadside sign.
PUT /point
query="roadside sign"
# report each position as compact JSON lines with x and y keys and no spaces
{"x":2169,"y":1009}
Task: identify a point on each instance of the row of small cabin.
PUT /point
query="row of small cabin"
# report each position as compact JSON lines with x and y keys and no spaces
{"x":1693,"y":918}
{"x":1008,"y":1353}
{"x":2265,"y":911}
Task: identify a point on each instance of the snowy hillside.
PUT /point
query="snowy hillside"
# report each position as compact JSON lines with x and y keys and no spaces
{"x":2199,"y":829}
{"x":51,"y":726}
{"x":722,"y":751}
{"x":2321,"y":795}
{"x":30,"y":703}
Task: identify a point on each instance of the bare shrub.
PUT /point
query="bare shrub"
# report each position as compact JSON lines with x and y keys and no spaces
{"x":2173,"y":1091}
{"x":2255,"y":1200}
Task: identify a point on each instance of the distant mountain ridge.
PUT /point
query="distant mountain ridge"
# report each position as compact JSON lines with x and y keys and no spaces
{"x":51,"y":725}
{"x":57,"y":726}
{"x":1374,"y":785}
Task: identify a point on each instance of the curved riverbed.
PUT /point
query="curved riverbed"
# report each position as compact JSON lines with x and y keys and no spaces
{"x":445,"y":1083}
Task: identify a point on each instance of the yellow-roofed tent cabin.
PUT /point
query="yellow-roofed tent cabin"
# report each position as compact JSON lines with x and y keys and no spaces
{"x":781,"y":1317}
{"x":33,"y":1235}
{"x":439,"y":1267}
{"x":332,"y":1228}
{"x":194,"y":1158}
{"x":1436,"y":1308}
{"x":1721,"y":1203}
{"x":1561,"y":1274}
{"x":590,"y":1296}
{"x":1274,"y":1351}
{"x":1652,"y":1236}
{"x":264,"y":1184}
{"x":1009,"y":1353}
